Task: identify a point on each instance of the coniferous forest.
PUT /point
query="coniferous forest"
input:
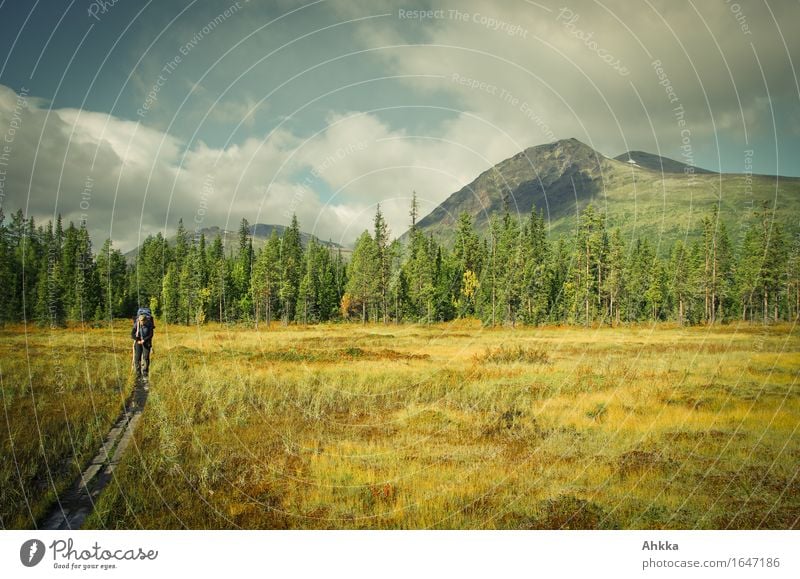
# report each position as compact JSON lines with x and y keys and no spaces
{"x":514,"y":274}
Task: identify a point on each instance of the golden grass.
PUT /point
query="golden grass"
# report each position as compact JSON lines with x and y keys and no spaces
{"x":444,"y":426}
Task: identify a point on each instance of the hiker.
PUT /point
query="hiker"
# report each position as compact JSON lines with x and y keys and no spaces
{"x":142,"y":335}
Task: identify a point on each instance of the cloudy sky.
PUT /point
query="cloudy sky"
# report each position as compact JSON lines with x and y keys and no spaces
{"x":132,"y":114}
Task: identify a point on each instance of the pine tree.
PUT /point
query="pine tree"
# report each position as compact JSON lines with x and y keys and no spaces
{"x":151,"y":264}
{"x":200,"y":278}
{"x":490,"y":274}
{"x":384,"y":260}
{"x":793,"y":281}
{"x":264,"y":282}
{"x":181,"y":245}
{"x":185,"y":296}
{"x":773,"y":268}
{"x":468,"y":259}
{"x":362,"y":283}
{"x":241,"y":271}
{"x":219,"y":282}
{"x":311,"y":293}
{"x":327,"y":296}
{"x":171,"y":306}
{"x":7,"y":296}
{"x":656,"y":294}
{"x":292,"y":261}
{"x":717,"y":266}
{"x":414,"y":212}
{"x":84,"y":280}
{"x":638,"y":273}
{"x":614,"y":284}
{"x":339,"y":275}
{"x":419,"y":271}
{"x":588,"y":265}
{"x":509,"y":269}
{"x":111,"y":273}
{"x":679,"y":279}
{"x":446,"y":285}
{"x":50,"y":310}
{"x":560,"y":293}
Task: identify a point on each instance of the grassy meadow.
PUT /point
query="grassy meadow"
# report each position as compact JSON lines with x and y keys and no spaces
{"x":406,"y":427}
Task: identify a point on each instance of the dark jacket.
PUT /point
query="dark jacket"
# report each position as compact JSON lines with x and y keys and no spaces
{"x":143,"y":332}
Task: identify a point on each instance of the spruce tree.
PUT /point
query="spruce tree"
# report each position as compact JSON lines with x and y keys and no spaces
{"x":291,"y":259}
{"x":381,"y":239}
{"x":362,"y":283}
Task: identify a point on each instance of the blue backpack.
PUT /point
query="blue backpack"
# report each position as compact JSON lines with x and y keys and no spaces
{"x":148,"y":317}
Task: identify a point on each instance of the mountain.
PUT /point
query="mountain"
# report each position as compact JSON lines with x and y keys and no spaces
{"x":561,"y":178}
{"x":657,"y":163}
{"x":260,"y":232}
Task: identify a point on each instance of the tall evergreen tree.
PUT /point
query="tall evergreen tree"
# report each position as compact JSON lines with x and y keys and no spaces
{"x":793,"y":281}
{"x":171,"y":305}
{"x":362,"y":274}
{"x":151,"y":265}
{"x":773,"y":266}
{"x":264,"y":282}
{"x":84,"y":281}
{"x":588,"y":265}
{"x":8,"y":296}
{"x":614,"y":284}
{"x":181,"y":245}
{"x":292,"y":262}
{"x":717,"y":267}
{"x":219,"y":280}
{"x":111,"y":273}
{"x":384,"y":261}
{"x":680,"y":279}
{"x":468,"y":260}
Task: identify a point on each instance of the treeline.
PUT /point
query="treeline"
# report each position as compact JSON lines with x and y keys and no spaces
{"x":513,"y":274}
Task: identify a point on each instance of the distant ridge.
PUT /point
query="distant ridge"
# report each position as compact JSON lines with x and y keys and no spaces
{"x":260,"y":232}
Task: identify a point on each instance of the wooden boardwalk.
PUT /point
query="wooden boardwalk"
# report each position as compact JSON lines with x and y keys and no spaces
{"x":70,"y":510}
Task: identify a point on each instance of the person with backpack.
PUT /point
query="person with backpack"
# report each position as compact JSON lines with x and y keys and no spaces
{"x":142,"y":335}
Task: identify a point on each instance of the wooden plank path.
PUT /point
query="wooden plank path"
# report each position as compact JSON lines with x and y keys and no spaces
{"x":71,"y":510}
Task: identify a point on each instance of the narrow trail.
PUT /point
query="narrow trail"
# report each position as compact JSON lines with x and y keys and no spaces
{"x":71,"y":509}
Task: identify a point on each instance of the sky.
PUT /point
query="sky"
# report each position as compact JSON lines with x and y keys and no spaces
{"x":129,"y":115}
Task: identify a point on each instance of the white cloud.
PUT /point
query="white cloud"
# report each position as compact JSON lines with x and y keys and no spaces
{"x":129,"y":180}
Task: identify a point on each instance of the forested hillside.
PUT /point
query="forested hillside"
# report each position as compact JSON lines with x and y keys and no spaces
{"x":654,"y":197}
